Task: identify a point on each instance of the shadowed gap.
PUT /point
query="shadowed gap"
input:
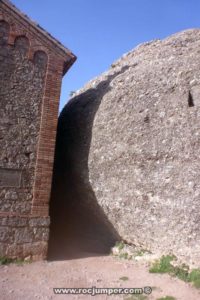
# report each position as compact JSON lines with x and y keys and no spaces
{"x":190,"y":100}
{"x":79,"y":227}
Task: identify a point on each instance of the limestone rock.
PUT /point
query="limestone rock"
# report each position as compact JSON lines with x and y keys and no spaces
{"x":132,"y":139}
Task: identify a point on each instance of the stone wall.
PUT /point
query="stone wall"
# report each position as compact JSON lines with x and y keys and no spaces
{"x":32,"y":64}
{"x":133,"y":136}
{"x":22,"y":87}
{"x":24,"y":237}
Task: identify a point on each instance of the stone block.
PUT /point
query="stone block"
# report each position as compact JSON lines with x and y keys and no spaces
{"x":39,"y":222}
{"x":6,"y":235}
{"x":23,"y":235}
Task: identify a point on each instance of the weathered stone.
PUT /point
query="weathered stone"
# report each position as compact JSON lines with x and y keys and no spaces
{"x":6,"y":235}
{"x":132,"y":137}
{"x":39,"y":222}
{"x":2,"y":249}
{"x":14,"y":251}
{"x":23,"y":235}
{"x":41,"y":234}
{"x":12,"y":195}
{"x":36,"y":250}
{"x":13,"y":222}
{"x":18,"y":240}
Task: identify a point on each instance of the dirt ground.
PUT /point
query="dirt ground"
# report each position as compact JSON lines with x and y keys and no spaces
{"x":36,"y":280}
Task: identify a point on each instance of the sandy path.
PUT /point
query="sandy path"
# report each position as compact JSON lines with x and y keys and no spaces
{"x":36,"y":280}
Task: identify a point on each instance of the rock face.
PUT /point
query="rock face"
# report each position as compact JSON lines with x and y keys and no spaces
{"x":132,"y":137}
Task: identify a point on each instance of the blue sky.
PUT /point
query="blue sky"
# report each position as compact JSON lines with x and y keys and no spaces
{"x":99,"y":31}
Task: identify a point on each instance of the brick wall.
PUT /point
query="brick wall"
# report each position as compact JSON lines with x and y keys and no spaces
{"x":31,"y":69}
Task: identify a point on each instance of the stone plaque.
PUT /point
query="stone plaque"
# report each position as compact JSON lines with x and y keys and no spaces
{"x":10,"y":177}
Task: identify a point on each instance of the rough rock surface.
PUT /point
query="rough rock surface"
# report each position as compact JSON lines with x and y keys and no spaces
{"x":132,"y":137}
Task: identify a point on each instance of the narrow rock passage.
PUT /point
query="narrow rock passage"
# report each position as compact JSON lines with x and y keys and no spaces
{"x":75,"y":229}
{"x":79,"y":226}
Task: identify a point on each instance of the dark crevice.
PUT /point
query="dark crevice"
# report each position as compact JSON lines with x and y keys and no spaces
{"x":190,"y":100}
{"x":79,"y":226}
{"x":146,"y":119}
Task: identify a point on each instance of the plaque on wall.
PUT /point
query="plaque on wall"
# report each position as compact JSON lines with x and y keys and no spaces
{"x":10,"y":177}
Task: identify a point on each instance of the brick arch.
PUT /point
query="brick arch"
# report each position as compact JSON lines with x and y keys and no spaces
{"x":4,"y":32}
{"x":22,"y":45}
{"x":40,"y":58}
